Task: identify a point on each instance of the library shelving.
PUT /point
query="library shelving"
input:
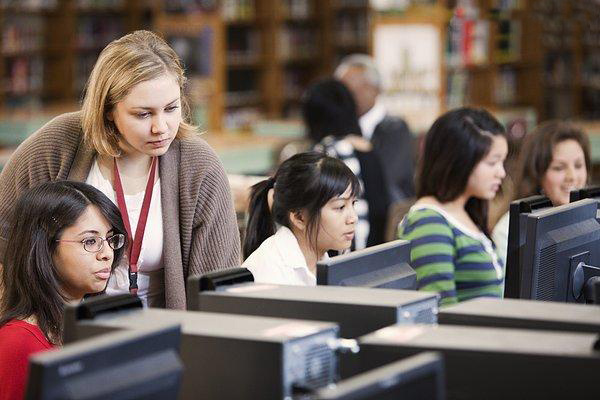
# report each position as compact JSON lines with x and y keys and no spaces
{"x":258,"y":56}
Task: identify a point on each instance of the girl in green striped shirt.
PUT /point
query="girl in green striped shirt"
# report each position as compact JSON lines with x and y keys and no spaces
{"x":461,"y":169}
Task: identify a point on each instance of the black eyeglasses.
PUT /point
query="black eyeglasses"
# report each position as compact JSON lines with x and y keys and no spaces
{"x":94,"y":244}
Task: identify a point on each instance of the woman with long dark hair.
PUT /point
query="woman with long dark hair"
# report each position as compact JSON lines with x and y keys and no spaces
{"x":296,"y":216}
{"x":461,"y":169}
{"x":64,"y":240}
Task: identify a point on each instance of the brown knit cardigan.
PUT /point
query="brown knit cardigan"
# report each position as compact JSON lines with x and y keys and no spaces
{"x":200,"y":229}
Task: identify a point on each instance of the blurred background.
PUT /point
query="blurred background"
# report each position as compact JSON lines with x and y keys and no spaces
{"x":250,"y":61}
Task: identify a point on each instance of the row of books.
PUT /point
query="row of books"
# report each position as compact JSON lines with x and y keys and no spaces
{"x":95,"y":32}
{"x":351,"y":30}
{"x":100,"y":4}
{"x":22,"y":33}
{"x":28,"y":4}
{"x":238,"y":9}
{"x":468,"y":37}
{"x":23,"y":75}
{"x":297,"y":42}
{"x":243,"y":46}
{"x":297,"y":8}
{"x":504,"y":88}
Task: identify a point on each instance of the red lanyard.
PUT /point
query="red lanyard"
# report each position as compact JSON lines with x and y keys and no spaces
{"x":135,"y":245}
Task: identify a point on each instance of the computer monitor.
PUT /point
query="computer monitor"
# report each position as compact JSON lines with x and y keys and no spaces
{"x":357,"y":310}
{"x":519,"y":209}
{"x":227,"y":356}
{"x":561,"y":257}
{"x":522,"y":314}
{"x":589,"y":192}
{"x":417,"y":377}
{"x":382,"y":266}
{"x":126,"y":365}
{"x":494,"y":363}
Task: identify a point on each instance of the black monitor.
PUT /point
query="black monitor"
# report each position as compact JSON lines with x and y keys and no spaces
{"x":522,"y":314}
{"x":562,"y":254}
{"x":382,"y":266}
{"x":494,"y":363}
{"x":126,"y":365}
{"x":589,"y":192}
{"x":519,"y":209}
{"x":416,"y":377}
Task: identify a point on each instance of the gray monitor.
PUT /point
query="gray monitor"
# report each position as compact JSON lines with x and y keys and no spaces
{"x":383,"y":266}
{"x":588,"y":192}
{"x":230,"y":356}
{"x":419,"y":377}
{"x":129,"y":365}
{"x":494,"y":363}
{"x":357,"y":310}
{"x":522,"y":314}
{"x":561,"y":257}
{"x":519,"y":209}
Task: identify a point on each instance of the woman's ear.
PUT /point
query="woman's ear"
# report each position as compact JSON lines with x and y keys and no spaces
{"x":298,"y":220}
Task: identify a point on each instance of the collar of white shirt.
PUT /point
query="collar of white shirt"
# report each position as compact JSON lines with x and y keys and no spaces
{"x":369,"y":120}
{"x":290,"y":252}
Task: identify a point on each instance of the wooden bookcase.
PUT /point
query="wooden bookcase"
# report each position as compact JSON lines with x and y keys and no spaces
{"x":275,"y":48}
{"x":69,"y":35}
{"x":541,"y":54}
{"x":198,"y":37}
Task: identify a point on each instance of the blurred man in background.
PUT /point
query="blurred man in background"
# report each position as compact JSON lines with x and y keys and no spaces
{"x":390,"y":136}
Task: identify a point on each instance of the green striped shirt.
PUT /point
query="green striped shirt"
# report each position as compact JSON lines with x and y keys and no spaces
{"x":448,"y":260}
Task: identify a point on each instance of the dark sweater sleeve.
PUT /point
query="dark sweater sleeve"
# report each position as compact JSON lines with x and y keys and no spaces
{"x":215,"y":240}
{"x":44,"y":156}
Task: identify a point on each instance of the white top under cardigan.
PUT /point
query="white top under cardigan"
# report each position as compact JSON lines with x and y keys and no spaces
{"x":279,"y":260}
{"x":150,"y":264}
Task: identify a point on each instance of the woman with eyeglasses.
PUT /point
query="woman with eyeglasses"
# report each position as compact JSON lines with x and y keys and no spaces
{"x":65,"y":239}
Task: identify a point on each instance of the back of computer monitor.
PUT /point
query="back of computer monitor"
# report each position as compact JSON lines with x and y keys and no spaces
{"x":562,"y":249}
{"x":588,"y":192}
{"x":382,"y":266}
{"x":125,"y":365}
{"x":518,"y":211}
{"x":415,"y":377}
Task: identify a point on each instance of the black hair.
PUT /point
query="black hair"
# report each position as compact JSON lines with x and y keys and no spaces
{"x":305,"y":181}
{"x":456,"y":142}
{"x":328,"y":108}
{"x":31,"y":284}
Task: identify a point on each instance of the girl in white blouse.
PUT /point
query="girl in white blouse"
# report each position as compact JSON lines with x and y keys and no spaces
{"x":296,"y":216}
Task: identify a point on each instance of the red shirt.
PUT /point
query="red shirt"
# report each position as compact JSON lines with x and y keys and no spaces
{"x":18,"y":340}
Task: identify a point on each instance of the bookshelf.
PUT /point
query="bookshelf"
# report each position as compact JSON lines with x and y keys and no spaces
{"x":197,"y":35}
{"x":49,"y":48}
{"x":23,"y":50}
{"x":506,"y":55}
{"x":274,"y":51}
{"x":350,"y":27}
{"x":491,"y":51}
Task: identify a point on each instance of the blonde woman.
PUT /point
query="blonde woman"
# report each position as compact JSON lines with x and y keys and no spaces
{"x":132,"y":140}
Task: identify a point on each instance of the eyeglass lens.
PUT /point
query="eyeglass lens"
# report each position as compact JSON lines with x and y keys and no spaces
{"x":94,"y":243}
